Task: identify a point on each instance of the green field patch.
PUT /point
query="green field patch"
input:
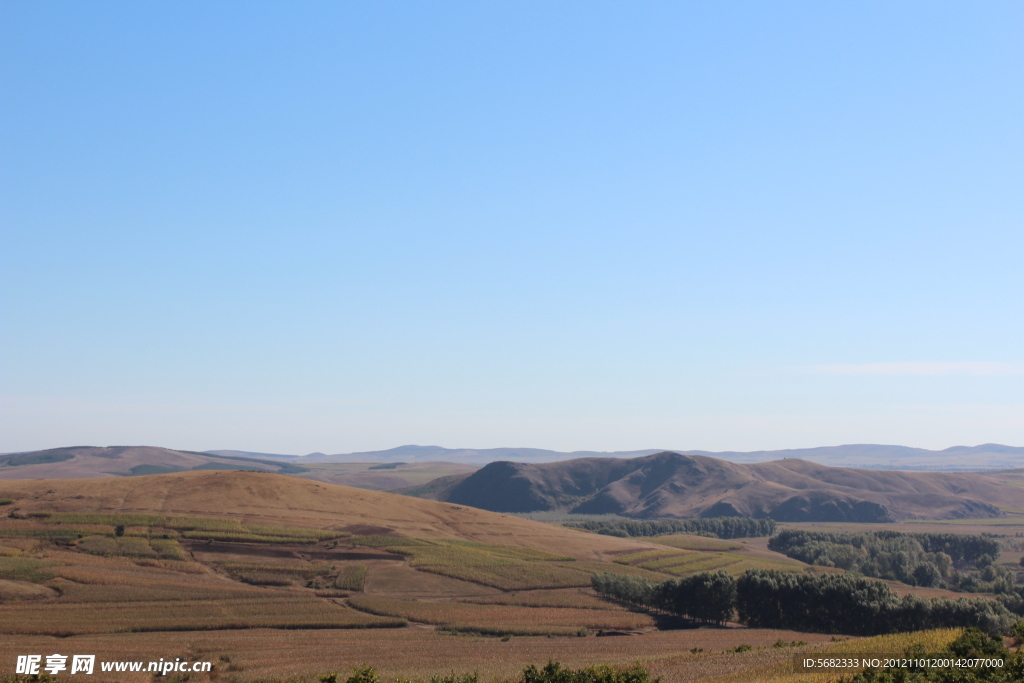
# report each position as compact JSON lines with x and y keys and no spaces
{"x":502,"y":619}
{"x":292,"y":612}
{"x":690,"y":559}
{"x":994,"y":521}
{"x":197,"y":527}
{"x":596,"y":567}
{"x":351,"y":577}
{"x":190,"y":523}
{"x":55,"y":535}
{"x":499,"y":566}
{"x":702,"y":564}
{"x":129,"y":546}
{"x":646,"y":556}
{"x":25,"y":569}
{"x":304,"y":570}
{"x":125,"y":546}
{"x":295,"y":532}
{"x":512,"y":551}
{"x":385,"y":541}
{"x":684,"y":562}
{"x":111,"y":518}
{"x":244,"y":537}
{"x":503,"y":567}
{"x":166,"y":548}
{"x":559,"y":598}
{"x":703,"y":543}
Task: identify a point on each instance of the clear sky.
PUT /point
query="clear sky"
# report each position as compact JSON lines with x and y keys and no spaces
{"x":343,"y":226}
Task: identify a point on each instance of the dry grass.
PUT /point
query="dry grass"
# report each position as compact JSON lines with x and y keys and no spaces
{"x":501,"y":619}
{"x":613,"y":568}
{"x":566,"y":597}
{"x":301,"y":570}
{"x":254,"y":498}
{"x":780,"y":667}
{"x":63,"y":619}
{"x":276,"y":655}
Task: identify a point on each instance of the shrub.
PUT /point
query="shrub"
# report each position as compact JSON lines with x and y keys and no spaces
{"x":351,"y":578}
{"x":554,"y":673}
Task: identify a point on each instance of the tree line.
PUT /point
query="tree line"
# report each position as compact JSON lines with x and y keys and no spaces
{"x":916,"y":559}
{"x":718,"y":527}
{"x":822,"y":603}
{"x":707,"y":597}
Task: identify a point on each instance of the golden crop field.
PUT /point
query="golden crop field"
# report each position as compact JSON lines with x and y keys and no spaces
{"x":564,"y":597}
{"x":64,"y":619}
{"x":503,"y":619}
{"x":505,"y":568}
{"x":780,"y":670}
{"x":686,"y":562}
{"x":688,"y":542}
{"x":281,"y":577}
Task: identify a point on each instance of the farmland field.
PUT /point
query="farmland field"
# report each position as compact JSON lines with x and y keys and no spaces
{"x":504,"y":619}
{"x":568,"y":597}
{"x":306,"y":578}
{"x":686,"y":562}
{"x":184,"y":615}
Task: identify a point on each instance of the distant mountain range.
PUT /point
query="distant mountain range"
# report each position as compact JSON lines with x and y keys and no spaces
{"x":79,"y":462}
{"x":671,"y":484}
{"x":662,"y":484}
{"x":88,"y":462}
{"x":871,"y":456}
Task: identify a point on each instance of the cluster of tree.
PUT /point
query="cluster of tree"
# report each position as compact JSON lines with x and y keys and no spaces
{"x":843,"y":603}
{"x":1014,"y":600}
{"x":823,"y":603}
{"x":990,"y":578}
{"x":718,"y":527}
{"x":915,"y":559}
{"x":706,"y":597}
{"x":971,"y":644}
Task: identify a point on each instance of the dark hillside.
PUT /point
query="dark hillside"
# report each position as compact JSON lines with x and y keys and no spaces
{"x":667,"y":485}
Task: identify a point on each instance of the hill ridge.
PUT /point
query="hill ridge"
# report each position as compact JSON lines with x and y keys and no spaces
{"x":671,"y":484}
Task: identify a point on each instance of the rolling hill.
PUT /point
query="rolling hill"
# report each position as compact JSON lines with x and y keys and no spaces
{"x":870,"y":456}
{"x":124,"y":461}
{"x":270,"y":499}
{"x":129,"y":461}
{"x":675,"y":485}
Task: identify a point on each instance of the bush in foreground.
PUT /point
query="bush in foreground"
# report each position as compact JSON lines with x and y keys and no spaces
{"x":552,"y":672}
{"x":972,"y":643}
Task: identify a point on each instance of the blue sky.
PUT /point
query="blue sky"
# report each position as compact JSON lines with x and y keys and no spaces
{"x":305,"y":226}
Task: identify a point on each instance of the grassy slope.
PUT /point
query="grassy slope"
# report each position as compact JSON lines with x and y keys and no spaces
{"x":262,"y":498}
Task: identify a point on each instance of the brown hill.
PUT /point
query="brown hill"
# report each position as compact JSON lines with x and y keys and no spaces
{"x":264,"y":498}
{"x":81,"y":462}
{"x":122,"y":461}
{"x":674,"y":485}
